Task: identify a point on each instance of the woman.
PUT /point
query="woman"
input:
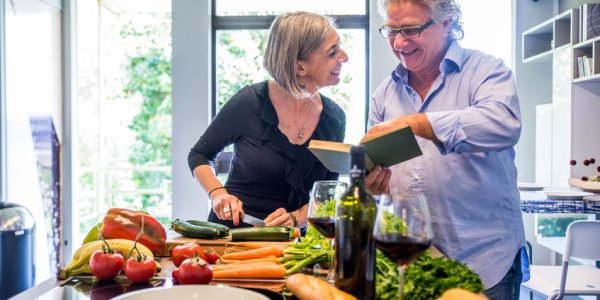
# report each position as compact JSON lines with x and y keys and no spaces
{"x":270,"y":125}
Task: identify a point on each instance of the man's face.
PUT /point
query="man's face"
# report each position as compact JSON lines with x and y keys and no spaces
{"x":422,"y":54}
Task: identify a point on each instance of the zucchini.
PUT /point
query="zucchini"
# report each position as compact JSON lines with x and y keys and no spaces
{"x":223,"y":230}
{"x":194,"y":231}
{"x":270,"y":234}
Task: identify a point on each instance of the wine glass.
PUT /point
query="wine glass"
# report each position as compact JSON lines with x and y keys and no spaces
{"x":321,"y":214}
{"x":402,"y":229}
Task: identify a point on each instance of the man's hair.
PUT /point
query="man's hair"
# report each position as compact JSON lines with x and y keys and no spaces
{"x":440,"y":10}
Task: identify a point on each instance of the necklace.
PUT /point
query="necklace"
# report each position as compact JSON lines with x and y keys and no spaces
{"x":301,"y":130}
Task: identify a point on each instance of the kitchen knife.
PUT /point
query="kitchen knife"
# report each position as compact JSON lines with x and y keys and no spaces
{"x":248,"y":219}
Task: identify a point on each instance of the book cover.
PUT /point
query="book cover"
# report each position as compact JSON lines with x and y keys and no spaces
{"x":385,"y":149}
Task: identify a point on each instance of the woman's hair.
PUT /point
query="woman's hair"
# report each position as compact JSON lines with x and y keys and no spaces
{"x":440,"y":10}
{"x":293,"y":37}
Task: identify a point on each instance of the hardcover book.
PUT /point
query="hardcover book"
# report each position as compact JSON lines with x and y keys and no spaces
{"x":384,"y":149}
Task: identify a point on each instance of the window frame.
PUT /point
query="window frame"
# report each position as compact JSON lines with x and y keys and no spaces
{"x":264,"y":22}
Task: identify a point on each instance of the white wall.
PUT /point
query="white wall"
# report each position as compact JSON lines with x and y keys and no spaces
{"x":191,"y":100}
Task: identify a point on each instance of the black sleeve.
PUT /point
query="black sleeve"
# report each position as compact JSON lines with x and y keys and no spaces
{"x":339,"y":137}
{"x":223,"y":130}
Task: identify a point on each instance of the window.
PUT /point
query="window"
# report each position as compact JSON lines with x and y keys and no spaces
{"x":240,"y":31}
{"x":122,"y":110}
{"x":33,"y":105}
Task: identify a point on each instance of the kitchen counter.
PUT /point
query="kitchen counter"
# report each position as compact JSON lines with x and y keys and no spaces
{"x":84,"y":287}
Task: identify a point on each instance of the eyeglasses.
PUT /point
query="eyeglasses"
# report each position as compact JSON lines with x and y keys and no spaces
{"x":409,"y":32}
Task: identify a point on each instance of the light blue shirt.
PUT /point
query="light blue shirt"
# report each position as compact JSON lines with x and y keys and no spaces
{"x":470,"y":180}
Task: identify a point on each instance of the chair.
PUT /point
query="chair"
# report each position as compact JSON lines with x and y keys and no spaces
{"x":582,"y":241}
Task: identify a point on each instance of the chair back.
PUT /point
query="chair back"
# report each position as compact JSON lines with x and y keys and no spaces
{"x":583,"y":240}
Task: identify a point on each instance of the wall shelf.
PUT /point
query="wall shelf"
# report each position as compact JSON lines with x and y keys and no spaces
{"x":571,"y":116}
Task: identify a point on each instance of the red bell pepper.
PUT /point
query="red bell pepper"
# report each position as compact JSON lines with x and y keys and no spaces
{"x":122,"y":223}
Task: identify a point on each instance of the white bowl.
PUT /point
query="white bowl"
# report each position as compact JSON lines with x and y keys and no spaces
{"x":193,"y":292}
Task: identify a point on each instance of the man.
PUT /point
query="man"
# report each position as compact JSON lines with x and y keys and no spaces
{"x":463,"y":107}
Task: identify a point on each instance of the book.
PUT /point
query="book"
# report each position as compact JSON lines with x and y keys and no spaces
{"x":383,"y":149}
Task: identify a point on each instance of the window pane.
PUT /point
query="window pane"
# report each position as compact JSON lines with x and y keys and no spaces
{"x":122,"y":110}
{"x":276,"y":7}
{"x":239,"y":55}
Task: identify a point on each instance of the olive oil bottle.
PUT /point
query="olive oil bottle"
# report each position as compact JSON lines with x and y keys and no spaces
{"x":354,"y":244}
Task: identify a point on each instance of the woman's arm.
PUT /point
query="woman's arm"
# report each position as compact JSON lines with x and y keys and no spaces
{"x":217,"y":194}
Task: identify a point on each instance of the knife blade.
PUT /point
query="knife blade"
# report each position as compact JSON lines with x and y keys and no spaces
{"x":248,"y":219}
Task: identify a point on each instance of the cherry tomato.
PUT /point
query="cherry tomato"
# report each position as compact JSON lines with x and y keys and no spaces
{"x":183,"y":252}
{"x":106,"y":265}
{"x":193,"y":271}
{"x":211,"y":256}
{"x":140,"y":268}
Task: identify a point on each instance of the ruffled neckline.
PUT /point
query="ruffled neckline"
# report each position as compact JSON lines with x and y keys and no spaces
{"x":296,"y":174}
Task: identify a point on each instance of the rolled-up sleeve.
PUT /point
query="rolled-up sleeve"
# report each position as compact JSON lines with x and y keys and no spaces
{"x":492,"y":122}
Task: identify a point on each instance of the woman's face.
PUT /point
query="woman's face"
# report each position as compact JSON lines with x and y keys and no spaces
{"x":422,"y":54}
{"x":323,"y":66}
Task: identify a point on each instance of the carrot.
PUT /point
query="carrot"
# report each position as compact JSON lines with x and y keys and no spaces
{"x":264,"y":271}
{"x":270,"y":258}
{"x":219,"y":267}
{"x":255,"y":253}
{"x":256,"y":245}
{"x":296,"y":233}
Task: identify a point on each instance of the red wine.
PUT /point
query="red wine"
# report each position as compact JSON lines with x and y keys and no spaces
{"x":354,"y":245}
{"x":325,"y":225}
{"x":401,"y":249}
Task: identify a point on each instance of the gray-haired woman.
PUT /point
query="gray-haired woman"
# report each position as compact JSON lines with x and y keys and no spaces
{"x":270,"y":124}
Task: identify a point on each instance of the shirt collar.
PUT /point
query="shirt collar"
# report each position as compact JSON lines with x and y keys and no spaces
{"x":453,"y":60}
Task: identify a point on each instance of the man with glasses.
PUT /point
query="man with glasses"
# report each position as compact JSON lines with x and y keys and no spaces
{"x":463,"y":107}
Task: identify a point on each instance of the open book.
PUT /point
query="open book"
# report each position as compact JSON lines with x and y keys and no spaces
{"x":384,"y":149}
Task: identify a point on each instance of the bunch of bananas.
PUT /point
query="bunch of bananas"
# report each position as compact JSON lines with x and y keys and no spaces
{"x":80,"y":264}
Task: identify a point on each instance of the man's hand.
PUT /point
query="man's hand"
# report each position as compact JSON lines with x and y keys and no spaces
{"x":418,"y":123}
{"x":378,"y":180}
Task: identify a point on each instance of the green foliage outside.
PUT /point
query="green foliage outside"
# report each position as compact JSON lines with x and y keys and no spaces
{"x":148,"y":71}
{"x":555,"y":227}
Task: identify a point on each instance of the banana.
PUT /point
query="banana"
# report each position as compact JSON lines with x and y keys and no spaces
{"x":93,"y":233}
{"x":81,"y":258}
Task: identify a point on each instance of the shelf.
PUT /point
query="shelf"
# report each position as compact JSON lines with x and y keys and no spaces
{"x":588,"y":79}
{"x":541,"y":57}
{"x":586,"y":44}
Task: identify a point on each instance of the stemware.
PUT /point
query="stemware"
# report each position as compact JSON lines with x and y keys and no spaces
{"x":321,"y":214}
{"x":402,"y":229}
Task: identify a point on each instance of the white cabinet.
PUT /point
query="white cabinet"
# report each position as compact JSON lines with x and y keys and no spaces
{"x":573,"y":117}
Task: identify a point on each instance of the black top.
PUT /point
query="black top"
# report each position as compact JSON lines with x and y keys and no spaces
{"x":267,"y":171}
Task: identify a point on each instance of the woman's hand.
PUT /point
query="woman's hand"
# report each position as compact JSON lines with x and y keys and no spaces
{"x":280,"y":217}
{"x":226,"y":206}
{"x":378,"y":180}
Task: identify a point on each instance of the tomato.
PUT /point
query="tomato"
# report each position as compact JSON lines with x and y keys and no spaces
{"x":193,"y":271}
{"x":183,"y":252}
{"x":106,"y":265}
{"x":140,"y":268}
{"x":211,"y":256}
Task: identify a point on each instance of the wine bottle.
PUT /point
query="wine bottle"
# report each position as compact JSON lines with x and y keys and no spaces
{"x":354,"y":244}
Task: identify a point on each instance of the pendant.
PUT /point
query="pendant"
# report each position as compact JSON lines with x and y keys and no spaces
{"x":300,"y":134}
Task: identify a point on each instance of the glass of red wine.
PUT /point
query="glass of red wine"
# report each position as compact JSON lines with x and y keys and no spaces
{"x":402,"y":229}
{"x":321,"y":214}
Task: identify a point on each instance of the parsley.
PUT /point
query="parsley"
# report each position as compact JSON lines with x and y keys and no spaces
{"x":425,"y":278}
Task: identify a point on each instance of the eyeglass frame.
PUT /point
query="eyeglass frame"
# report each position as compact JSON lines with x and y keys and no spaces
{"x":418,"y":29}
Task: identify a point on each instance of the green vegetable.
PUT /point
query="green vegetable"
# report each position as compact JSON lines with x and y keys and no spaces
{"x":194,"y":231}
{"x":326,"y":209}
{"x":311,"y":249}
{"x":223,"y":230}
{"x":266,"y":233}
{"x":393,"y":224}
{"x":425,"y":278}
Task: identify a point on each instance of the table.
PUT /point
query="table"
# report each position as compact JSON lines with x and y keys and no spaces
{"x":537,"y":202}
